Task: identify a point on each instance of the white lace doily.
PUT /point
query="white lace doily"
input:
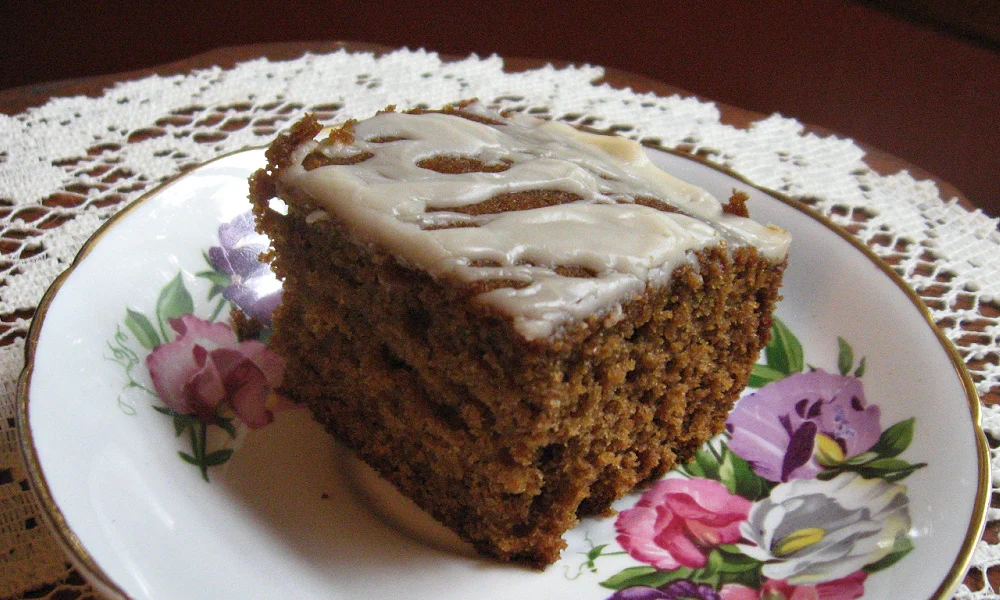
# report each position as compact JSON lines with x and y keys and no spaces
{"x":68,"y":165}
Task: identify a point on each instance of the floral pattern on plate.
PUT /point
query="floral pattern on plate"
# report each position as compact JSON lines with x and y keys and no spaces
{"x":137,"y":523}
{"x":799,"y":499}
{"x":209,"y":380}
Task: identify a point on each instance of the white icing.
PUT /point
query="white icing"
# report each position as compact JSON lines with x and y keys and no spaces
{"x":410,"y":211}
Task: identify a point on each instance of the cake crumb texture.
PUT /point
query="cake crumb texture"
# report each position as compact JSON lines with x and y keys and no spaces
{"x":508,"y":441}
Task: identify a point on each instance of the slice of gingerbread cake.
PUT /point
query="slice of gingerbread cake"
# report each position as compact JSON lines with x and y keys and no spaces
{"x":514,"y":321}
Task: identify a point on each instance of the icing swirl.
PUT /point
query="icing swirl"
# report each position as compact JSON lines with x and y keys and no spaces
{"x":457,"y":196}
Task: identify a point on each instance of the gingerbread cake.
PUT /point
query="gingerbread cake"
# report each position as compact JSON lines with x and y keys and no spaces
{"x":514,"y":321}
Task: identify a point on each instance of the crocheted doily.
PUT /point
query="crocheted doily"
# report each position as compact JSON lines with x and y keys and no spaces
{"x":66,"y":166}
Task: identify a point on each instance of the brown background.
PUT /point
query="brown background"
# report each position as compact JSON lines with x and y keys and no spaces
{"x":918,"y":78}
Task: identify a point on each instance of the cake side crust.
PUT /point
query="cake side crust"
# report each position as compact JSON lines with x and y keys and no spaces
{"x":506,"y":440}
{"x":512,"y":461}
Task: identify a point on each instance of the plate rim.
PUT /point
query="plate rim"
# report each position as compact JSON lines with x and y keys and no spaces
{"x":81,"y":557}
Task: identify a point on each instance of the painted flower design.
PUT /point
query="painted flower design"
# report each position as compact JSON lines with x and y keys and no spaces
{"x":798,"y":500}
{"x":682,"y":589}
{"x":206,"y":368}
{"x":678,"y":521}
{"x":793,"y":428}
{"x":848,"y":588}
{"x":207,"y":379}
{"x":811,"y":531}
{"x":248,"y":283}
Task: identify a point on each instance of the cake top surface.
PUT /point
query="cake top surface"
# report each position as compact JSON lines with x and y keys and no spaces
{"x":573,"y":223}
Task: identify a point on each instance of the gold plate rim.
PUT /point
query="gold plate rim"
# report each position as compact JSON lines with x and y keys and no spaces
{"x":82,"y":558}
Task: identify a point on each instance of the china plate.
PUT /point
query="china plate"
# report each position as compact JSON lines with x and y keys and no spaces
{"x":290,"y":514}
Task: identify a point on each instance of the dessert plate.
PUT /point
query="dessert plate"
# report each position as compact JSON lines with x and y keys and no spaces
{"x":888,"y":500}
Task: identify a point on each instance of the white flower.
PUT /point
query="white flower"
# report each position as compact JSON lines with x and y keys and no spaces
{"x":810,"y":531}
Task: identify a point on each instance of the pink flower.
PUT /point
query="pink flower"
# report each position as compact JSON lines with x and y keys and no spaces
{"x":206,"y":366}
{"x":677,"y":522}
{"x":847,"y":588}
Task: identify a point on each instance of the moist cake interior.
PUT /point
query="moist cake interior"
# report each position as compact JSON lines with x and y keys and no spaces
{"x":513,"y":321}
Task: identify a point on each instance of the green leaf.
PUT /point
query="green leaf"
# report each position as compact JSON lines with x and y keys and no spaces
{"x":214,"y":291}
{"x":845,"y":356}
{"x":751,"y":578}
{"x":862,"y":458}
{"x":884,"y":468}
{"x":731,"y":562}
{"x":183,"y":422}
{"x":784,"y":352}
{"x":623,"y":578}
{"x":691,"y":469}
{"x":737,"y":475}
{"x":188,"y":458}
{"x":902,"y":547}
{"x":173,"y":302}
{"x":903,"y":473}
{"x":727,"y":473}
{"x":644,"y":575}
{"x":218,"y":308}
{"x":142,"y":329}
{"x":227,"y":426}
{"x":827,"y":474}
{"x":710,"y":573}
{"x":762,"y":375}
{"x":596,"y":551}
{"x":860,"y":371}
{"x":888,"y":464}
{"x":220,"y":281}
{"x":215,"y":277}
{"x":213,"y":459}
{"x":895,"y":439}
{"x":889,"y":469}
{"x":707,"y":461}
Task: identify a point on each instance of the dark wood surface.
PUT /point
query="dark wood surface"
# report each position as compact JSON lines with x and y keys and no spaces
{"x":922,"y":94}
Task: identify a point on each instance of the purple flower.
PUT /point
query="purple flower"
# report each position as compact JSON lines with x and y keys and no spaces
{"x":681,"y":589}
{"x":791,"y":428}
{"x":252,"y":288}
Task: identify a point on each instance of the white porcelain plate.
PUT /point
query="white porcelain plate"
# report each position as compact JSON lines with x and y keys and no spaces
{"x":868,"y":476}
